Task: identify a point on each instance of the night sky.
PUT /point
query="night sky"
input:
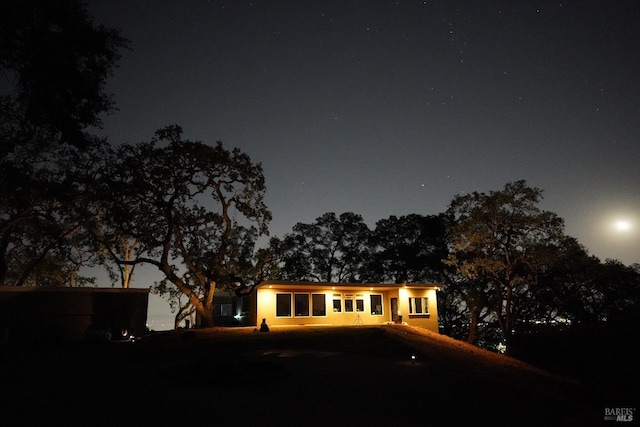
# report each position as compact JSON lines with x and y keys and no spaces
{"x":393,"y":107}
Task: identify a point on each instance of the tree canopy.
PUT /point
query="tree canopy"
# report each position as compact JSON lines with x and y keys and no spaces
{"x":332,"y":249}
{"x":56,"y":62}
{"x":196,"y":209}
{"x":408,"y":249}
{"x":49,"y":197}
{"x":501,"y":241}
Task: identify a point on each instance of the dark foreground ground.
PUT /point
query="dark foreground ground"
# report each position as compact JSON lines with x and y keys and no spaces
{"x":310,"y":376}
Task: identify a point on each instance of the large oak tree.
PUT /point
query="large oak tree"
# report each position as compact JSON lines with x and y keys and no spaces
{"x":195,"y":208}
{"x":501,"y":241}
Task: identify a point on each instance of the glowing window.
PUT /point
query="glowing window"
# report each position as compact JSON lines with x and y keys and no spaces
{"x":302,"y":304}
{"x":318,"y":305}
{"x":418,"y":305}
{"x":376,"y":305}
{"x":348,"y":303}
{"x":225,"y":309}
{"x":359,"y":302}
{"x":337,"y":303}
{"x":283,"y":305}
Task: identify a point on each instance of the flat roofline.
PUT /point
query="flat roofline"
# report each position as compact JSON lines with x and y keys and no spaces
{"x":18,"y":289}
{"x":336,"y":285}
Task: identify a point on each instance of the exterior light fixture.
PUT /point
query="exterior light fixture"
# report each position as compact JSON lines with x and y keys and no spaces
{"x":413,"y":358}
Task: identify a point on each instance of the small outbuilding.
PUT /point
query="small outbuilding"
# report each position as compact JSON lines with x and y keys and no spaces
{"x":71,"y":314}
{"x":322,"y":303}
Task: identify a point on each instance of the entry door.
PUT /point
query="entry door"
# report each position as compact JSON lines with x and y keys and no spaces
{"x":394,"y":309}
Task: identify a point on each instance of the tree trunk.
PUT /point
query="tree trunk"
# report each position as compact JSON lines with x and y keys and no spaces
{"x":508,"y":343}
{"x":128,"y":249}
{"x":474,"y":319}
{"x":184,"y":312}
{"x":509,"y":321}
{"x":4,"y":266}
{"x":206,"y":316}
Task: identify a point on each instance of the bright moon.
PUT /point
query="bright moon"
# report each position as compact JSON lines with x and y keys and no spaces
{"x":622,"y":226}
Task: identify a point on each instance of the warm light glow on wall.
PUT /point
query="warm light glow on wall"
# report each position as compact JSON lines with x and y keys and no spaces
{"x":266,"y":298}
{"x":371,"y":305}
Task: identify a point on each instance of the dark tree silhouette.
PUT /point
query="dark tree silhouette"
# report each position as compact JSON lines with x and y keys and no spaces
{"x":196,"y":209}
{"x":332,"y":249}
{"x":55,"y":61}
{"x":408,"y":249}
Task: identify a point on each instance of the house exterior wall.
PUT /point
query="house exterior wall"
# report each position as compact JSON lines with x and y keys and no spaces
{"x":324,"y":304}
{"x":267,"y":308}
{"x":227,"y":308}
{"x":428,"y":320}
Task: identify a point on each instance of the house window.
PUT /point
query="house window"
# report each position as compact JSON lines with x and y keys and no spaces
{"x":418,"y":305}
{"x":376,"y":305}
{"x":337,"y":303}
{"x":302,"y":304}
{"x":359,"y":302}
{"x":318,"y":305}
{"x":225,"y":310}
{"x":283,"y":305}
{"x":348,"y":303}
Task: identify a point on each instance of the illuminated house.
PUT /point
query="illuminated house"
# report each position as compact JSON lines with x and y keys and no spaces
{"x":320,"y":303}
